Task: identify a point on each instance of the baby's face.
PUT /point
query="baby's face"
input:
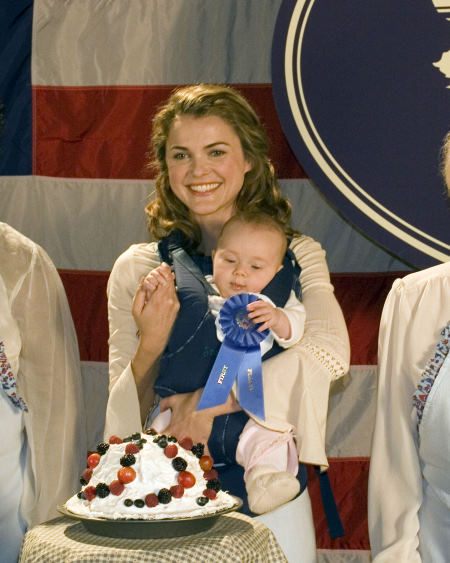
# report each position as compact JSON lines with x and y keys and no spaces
{"x":247,"y":259}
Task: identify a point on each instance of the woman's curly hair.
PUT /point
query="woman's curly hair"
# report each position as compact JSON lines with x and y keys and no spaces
{"x":260,"y":190}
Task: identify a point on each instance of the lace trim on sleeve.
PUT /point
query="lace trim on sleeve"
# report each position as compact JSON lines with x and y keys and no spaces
{"x":331,"y":363}
{"x":430,"y":373}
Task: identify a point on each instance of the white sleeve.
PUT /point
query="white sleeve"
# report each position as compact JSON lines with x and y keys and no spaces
{"x":123,"y":413}
{"x":412,"y":317}
{"x":295,"y":312}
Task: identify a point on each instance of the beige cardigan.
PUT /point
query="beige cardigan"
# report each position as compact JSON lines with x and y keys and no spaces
{"x":296,"y":382}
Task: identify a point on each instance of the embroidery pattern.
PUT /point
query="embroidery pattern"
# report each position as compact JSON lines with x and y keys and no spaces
{"x":430,"y":373}
{"x":330,"y":362}
{"x":8,"y":381}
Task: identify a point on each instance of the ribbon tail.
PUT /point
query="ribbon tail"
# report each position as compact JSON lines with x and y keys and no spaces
{"x":250,"y":383}
{"x":221,"y":377}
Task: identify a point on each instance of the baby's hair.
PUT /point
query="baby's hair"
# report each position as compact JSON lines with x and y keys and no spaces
{"x":258,"y":219}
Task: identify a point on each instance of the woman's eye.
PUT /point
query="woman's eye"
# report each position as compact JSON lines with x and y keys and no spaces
{"x":217,"y":152}
{"x":179,"y":156}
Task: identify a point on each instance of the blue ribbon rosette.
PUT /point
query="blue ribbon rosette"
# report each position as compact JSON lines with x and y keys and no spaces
{"x":239,"y":357}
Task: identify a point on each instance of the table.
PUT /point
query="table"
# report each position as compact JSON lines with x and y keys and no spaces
{"x":233,"y":537}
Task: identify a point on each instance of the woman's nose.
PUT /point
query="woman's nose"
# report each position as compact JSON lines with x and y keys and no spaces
{"x":199,"y":167}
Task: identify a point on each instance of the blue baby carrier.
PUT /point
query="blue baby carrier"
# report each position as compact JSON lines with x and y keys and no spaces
{"x":193,"y":346}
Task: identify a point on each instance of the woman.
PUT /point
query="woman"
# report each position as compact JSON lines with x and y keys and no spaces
{"x":409,"y":481}
{"x":212,"y":159}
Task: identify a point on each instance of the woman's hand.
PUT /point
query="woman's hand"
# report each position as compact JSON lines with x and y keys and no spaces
{"x":187,"y":421}
{"x":154,"y":312}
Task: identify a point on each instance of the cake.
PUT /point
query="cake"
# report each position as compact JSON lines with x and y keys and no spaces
{"x":149,"y":476}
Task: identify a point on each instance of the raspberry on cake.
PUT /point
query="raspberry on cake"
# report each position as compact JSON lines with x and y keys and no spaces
{"x":149,"y":476}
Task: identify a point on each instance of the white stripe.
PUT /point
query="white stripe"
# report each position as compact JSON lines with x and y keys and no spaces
{"x":343,"y":556}
{"x":145,"y":42}
{"x":351,"y":413}
{"x":86,"y":224}
{"x":95,"y":385}
{"x":82,"y":224}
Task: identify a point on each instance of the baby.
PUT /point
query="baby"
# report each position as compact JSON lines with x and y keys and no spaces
{"x":249,"y":253}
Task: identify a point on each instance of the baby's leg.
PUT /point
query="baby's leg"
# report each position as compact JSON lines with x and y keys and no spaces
{"x":271,"y":465}
{"x":161,"y":421}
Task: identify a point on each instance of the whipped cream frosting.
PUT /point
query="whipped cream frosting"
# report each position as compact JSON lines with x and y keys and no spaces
{"x":154,"y":471}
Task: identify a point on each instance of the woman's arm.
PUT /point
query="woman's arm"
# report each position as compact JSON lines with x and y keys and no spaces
{"x":133,"y":364}
{"x":154,"y":313}
{"x":325,"y":336}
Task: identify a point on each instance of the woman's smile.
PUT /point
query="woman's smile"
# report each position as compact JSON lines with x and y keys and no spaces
{"x":204,"y":188}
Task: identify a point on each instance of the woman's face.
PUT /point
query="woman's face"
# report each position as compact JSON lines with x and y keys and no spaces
{"x":206,"y":166}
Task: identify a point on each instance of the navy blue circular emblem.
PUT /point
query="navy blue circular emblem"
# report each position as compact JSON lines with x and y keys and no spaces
{"x":362,"y":90}
{"x":237,"y":326}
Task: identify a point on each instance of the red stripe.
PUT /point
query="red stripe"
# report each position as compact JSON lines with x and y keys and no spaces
{"x":348,"y":478}
{"x":86,"y":293}
{"x":103,"y":132}
{"x":361,"y":297}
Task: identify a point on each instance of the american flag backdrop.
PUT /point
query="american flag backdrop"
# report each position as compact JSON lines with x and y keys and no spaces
{"x":79,"y":83}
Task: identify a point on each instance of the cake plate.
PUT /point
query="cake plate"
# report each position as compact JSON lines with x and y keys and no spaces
{"x":148,"y":529}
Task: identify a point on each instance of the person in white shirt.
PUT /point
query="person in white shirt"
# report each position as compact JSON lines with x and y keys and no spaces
{"x":409,"y":480}
{"x":249,"y":253}
{"x":43,"y":444}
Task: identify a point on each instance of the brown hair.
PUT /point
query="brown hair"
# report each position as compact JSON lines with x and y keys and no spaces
{"x":260,"y":190}
{"x":258,"y":219}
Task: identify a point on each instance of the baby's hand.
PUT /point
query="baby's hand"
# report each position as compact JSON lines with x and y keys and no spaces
{"x":159,"y":276}
{"x":268,"y":316}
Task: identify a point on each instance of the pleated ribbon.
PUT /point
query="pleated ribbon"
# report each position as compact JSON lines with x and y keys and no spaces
{"x":239,"y":357}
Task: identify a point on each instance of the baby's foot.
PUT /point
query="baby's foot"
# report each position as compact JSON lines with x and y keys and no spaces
{"x":268,"y":488}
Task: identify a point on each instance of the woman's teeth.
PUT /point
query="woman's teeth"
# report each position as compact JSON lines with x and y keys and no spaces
{"x":203,"y":187}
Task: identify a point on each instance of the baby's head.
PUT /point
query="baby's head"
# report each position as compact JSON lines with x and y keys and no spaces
{"x":249,"y":253}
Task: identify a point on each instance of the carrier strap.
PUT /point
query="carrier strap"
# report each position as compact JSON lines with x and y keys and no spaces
{"x":334,"y":522}
{"x":172,"y":252}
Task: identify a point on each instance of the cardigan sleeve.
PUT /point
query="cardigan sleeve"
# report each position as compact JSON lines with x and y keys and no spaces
{"x":122,"y":412}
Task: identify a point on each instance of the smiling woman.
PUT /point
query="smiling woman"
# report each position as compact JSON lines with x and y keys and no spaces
{"x":206,"y":167}
{"x":211,"y":156}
